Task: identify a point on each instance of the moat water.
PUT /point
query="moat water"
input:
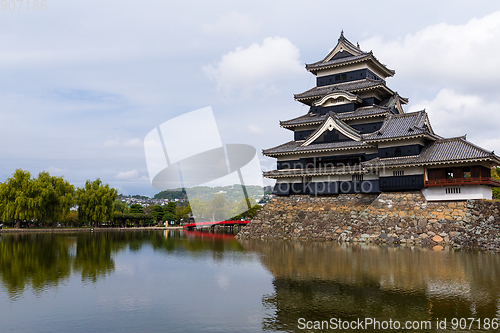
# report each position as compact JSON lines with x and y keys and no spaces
{"x":176,"y":281}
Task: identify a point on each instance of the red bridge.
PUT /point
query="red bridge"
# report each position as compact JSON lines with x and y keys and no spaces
{"x":191,"y":226}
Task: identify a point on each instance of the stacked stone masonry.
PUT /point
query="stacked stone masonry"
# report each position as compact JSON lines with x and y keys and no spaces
{"x":397,"y":217}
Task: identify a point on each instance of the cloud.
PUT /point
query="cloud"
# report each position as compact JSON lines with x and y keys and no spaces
{"x":134,"y":143}
{"x":55,"y":171}
{"x":111,"y":143}
{"x":128,"y":175}
{"x":453,"y":114}
{"x":463,"y":56}
{"x":257,"y":67}
{"x":255,"y":129}
{"x":233,"y":22}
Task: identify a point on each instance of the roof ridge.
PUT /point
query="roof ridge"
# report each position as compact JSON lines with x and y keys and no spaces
{"x":283,"y":144}
{"x":409,"y":114}
{"x":453,"y":138}
{"x":463,"y":138}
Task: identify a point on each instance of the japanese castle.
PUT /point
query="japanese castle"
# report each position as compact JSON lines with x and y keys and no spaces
{"x":356,"y":138}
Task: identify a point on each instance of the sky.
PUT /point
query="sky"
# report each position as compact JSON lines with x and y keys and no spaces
{"x":83,"y":82}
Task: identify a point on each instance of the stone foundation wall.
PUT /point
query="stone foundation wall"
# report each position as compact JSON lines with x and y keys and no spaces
{"x":397,"y":217}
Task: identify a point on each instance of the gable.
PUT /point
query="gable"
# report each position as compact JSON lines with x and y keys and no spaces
{"x":331,"y":136}
{"x":342,"y":54}
{"x":341,"y":132}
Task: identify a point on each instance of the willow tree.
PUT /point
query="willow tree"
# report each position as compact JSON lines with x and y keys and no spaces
{"x":95,"y":202}
{"x":45,"y":198}
{"x":55,"y":196}
{"x":18,"y":200}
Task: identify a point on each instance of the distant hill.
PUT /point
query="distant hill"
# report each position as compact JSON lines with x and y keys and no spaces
{"x":171,"y":194}
{"x":231,"y":193}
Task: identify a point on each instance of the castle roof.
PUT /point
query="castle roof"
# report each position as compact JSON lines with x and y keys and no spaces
{"x":345,"y":53}
{"x":295,"y":147}
{"x":314,"y":118}
{"x":441,"y":151}
{"x":405,"y":125}
{"x":351,"y":86}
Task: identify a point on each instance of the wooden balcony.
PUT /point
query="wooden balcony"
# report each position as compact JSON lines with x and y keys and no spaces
{"x":463,"y":181}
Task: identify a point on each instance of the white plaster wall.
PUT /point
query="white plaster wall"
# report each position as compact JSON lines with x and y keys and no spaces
{"x":437,"y":193}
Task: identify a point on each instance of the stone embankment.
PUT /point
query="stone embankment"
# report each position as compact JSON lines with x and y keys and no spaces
{"x":398,"y":217}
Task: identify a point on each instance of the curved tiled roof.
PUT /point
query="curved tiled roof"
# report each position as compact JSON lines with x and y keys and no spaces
{"x":338,"y":60}
{"x":401,"y":125}
{"x":355,"y":55}
{"x":440,"y":151}
{"x":295,"y":147}
{"x":346,"y":86}
{"x":314,"y":118}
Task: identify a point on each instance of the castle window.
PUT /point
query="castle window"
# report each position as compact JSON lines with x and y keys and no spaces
{"x":357,"y":177}
{"x":344,"y":76}
{"x":452,"y":190}
{"x":449,"y":173}
{"x":397,"y":151}
{"x":337,"y":77}
{"x":398,"y":173}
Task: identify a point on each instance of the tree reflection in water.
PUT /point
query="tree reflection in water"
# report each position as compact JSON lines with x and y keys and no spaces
{"x":38,"y":261}
{"x":323,"y":280}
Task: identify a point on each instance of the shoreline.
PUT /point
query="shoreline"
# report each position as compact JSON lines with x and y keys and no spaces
{"x":62,"y":230}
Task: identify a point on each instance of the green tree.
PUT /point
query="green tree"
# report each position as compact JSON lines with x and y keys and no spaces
{"x":55,"y":198}
{"x":217,"y":208}
{"x":198,"y":208}
{"x":120,"y":207}
{"x":182,"y":213}
{"x":136,"y":209}
{"x":168,"y":216}
{"x":18,"y":200}
{"x":157,"y":213}
{"x":95,"y":202}
{"x":494,"y":175}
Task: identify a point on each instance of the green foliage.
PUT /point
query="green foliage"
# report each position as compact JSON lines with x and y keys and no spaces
{"x":168,"y":216}
{"x":495,"y":175}
{"x":119,"y":206}
{"x":170,"y":207}
{"x":136,"y":209}
{"x":72,"y":219}
{"x":95,"y":202}
{"x":43,"y":199}
{"x":171,"y":194}
{"x":198,"y":208}
{"x":157,"y":212}
{"x":217,"y":208}
{"x":249,"y":214}
{"x":56,"y":195}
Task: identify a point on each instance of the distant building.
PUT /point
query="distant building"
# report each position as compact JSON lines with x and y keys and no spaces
{"x":356,"y":138}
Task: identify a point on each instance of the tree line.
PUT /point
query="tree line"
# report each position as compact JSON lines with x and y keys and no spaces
{"x":48,"y":199}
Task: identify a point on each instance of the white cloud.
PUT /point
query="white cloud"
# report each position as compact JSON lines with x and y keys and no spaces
{"x":461,"y":56}
{"x":134,"y":143}
{"x":257,"y":67}
{"x":452,"y":114}
{"x":233,"y":22}
{"x":111,"y":143}
{"x":128,"y":175}
{"x":55,"y":171}
{"x":255,"y":129}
